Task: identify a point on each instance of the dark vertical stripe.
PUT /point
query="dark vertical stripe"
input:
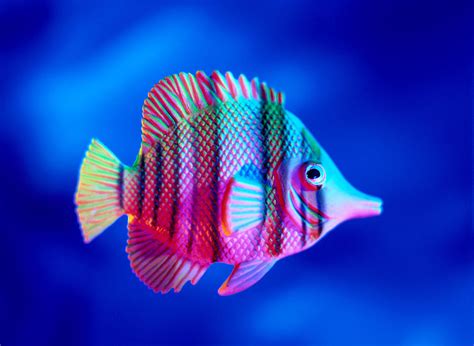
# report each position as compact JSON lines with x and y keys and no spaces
{"x":215,"y":185}
{"x":120,"y":185}
{"x":320,"y":206}
{"x":281,"y":138}
{"x":158,"y":182}
{"x":304,"y":226}
{"x":264,"y":150}
{"x":175,"y":204}
{"x":194,"y":197}
{"x":141,"y":184}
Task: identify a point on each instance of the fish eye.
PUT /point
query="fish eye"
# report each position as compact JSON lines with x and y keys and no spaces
{"x":315,"y":174}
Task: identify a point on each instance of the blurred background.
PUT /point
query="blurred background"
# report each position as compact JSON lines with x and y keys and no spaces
{"x":383,"y":85}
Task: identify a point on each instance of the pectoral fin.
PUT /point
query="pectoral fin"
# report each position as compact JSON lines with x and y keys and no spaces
{"x":243,"y":205}
{"x":245,"y":275}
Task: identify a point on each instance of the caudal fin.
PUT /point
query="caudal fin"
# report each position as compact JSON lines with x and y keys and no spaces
{"x":99,"y":196}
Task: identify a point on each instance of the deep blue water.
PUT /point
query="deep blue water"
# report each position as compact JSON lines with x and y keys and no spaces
{"x":385,"y":88}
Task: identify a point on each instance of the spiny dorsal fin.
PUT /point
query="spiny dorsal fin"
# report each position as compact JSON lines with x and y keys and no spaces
{"x":182,"y":95}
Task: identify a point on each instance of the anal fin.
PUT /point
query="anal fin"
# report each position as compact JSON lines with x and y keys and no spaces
{"x":245,"y":275}
{"x":158,"y":266}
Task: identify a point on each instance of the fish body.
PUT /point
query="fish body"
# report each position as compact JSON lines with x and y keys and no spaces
{"x":223,"y":175}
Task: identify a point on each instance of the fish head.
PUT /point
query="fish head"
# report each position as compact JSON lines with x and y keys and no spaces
{"x":316,"y":196}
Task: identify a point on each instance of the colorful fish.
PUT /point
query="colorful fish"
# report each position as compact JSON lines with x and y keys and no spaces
{"x":224,"y":174}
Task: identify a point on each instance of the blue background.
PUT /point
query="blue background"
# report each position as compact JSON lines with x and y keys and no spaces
{"x":385,"y":88}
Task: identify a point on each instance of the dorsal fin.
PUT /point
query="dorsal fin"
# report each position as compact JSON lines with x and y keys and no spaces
{"x":182,"y":95}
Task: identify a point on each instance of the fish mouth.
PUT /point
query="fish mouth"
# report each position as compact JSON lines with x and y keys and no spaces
{"x":366,"y":206}
{"x":309,"y":214}
{"x":374,"y":207}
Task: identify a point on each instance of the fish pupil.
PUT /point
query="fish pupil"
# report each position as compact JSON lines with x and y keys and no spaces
{"x":313,"y":173}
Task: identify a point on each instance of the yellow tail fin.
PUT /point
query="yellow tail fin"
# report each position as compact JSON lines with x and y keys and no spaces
{"x":99,"y":196}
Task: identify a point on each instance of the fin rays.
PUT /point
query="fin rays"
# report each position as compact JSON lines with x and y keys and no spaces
{"x":157,"y":265}
{"x":245,"y":275}
{"x":182,"y":95}
{"x":243,"y":205}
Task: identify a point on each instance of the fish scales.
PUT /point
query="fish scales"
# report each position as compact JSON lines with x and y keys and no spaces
{"x":224,"y":174}
{"x":245,"y":137}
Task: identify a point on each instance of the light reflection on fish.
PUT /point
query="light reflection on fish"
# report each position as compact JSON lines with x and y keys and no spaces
{"x":224,"y":174}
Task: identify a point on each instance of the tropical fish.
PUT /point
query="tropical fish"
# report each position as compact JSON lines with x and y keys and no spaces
{"x":224,"y":174}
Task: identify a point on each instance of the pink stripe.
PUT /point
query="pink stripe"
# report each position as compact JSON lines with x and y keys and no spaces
{"x":272,"y":95}
{"x":182,"y":94}
{"x":179,"y":92}
{"x":168,"y":283}
{"x":170,"y":112}
{"x":155,"y":125}
{"x":148,"y":106}
{"x":220,"y":93}
{"x":184,"y":278}
{"x":161,"y":112}
{"x":203,"y":78}
{"x":255,"y":89}
{"x":173,"y":83}
{"x":182,"y":77}
{"x":163,"y":115}
{"x":151,"y":100}
{"x":219,"y":86}
{"x":176,"y":107}
{"x":167,"y":84}
{"x":205,"y":86}
{"x":263,"y":89}
{"x":216,"y":77}
{"x":147,"y":138}
{"x":189,"y":96}
{"x":164,"y":85}
{"x":231,"y":83}
{"x":196,"y":96}
{"x":206,"y":93}
{"x":176,"y":85}
{"x":243,"y":87}
{"x":280,"y":98}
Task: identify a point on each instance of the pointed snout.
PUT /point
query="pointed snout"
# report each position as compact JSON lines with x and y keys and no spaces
{"x":363,"y":205}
